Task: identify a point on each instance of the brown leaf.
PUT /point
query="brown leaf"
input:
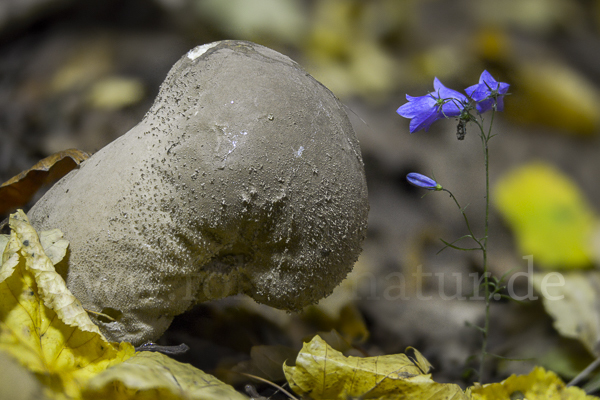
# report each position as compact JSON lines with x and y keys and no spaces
{"x":19,"y":190}
{"x":266,"y":361}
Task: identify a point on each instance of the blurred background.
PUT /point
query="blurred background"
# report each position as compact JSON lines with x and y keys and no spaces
{"x":78,"y":74}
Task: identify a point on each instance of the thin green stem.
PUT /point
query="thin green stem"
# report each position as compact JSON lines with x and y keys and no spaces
{"x":485,"y":139}
{"x":483,"y":242}
{"x":462,"y":211}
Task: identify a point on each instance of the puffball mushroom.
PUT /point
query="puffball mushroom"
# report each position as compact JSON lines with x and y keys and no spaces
{"x":245,"y":176}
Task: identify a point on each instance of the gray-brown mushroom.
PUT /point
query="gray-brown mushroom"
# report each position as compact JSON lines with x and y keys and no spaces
{"x":245,"y":176}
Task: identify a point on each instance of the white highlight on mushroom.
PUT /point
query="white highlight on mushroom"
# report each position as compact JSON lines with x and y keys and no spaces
{"x":299,"y":152}
{"x":198,"y":51}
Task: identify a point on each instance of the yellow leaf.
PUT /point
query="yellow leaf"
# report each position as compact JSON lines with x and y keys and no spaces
{"x":324,"y":373}
{"x":151,"y":375}
{"x":346,"y":54}
{"x":569,"y":101}
{"x":91,"y":58}
{"x":42,"y":325}
{"x":114,"y":93}
{"x":572,"y":300}
{"x":417,"y":358}
{"x":278,"y":21}
{"x":548,"y":214}
{"x":538,"y":385}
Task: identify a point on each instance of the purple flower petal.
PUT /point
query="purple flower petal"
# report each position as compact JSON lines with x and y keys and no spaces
{"x":416,"y":106}
{"x":425,"y":110}
{"x":488,"y":92}
{"x":422,"y":181}
{"x":443,"y":92}
{"x":423,"y":121}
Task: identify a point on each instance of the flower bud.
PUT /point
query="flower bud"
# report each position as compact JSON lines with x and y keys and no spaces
{"x":423,"y":181}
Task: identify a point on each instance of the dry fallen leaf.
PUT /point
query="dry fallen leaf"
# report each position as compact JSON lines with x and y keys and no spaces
{"x":45,"y":329}
{"x":42,"y":325}
{"x":150,"y":375}
{"x":538,"y":385}
{"x":324,"y":373}
{"x":17,"y":191}
{"x":54,"y":245}
{"x":573,"y":301}
{"x":3,"y":242}
{"x":265,"y":362}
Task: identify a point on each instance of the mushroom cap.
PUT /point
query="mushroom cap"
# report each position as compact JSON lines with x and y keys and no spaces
{"x":245,"y":176}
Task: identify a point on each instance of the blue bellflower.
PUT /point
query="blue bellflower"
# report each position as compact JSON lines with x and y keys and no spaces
{"x":488,"y":92}
{"x":425,"y":110}
{"x":423,"y":181}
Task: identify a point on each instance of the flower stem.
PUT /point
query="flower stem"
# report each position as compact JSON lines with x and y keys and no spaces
{"x":485,"y":139}
{"x":464,"y":214}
